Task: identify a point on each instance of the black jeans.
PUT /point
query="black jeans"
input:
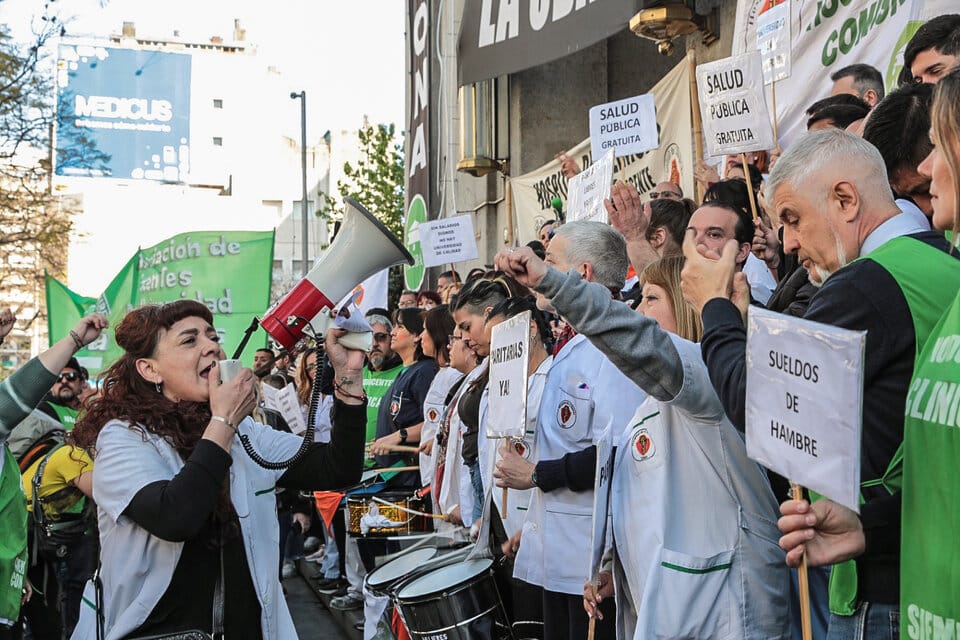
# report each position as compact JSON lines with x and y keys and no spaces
{"x":73,"y":572}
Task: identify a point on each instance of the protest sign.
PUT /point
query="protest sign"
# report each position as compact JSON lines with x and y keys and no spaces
{"x":589,"y":188}
{"x":509,"y":361}
{"x":629,"y":126}
{"x":601,"y":500}
{"x":773,"y":42}
{"x":285,"y":402}
{"x":733,"y":105}
{"x":673,"y":160}
{"x":448,"y":240}
{"x":805,"y":402}
{"x":228,"y":271}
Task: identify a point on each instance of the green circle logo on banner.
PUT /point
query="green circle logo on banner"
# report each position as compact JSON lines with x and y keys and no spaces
{"x":416,"y":214}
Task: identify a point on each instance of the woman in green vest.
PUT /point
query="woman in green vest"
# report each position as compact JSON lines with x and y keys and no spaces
{"x":930,"y":555}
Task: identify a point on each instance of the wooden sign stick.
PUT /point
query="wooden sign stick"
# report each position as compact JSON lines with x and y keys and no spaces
{"x":805,"y":624}
{"x":592,"y":626}
{"x":503,"y":501}
{"x":753,"y":198}
{"x":697,"y":121}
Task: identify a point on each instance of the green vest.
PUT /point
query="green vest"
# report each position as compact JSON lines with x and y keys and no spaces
{"x":929,"y":279}
{"x":929,"y":551}
{"x":376,"y":384}
{"x":13,"y":540}
{"x":67,"y":416}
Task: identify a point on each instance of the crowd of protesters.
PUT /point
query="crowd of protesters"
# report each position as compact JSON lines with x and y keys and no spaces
{"x":137,"y":508}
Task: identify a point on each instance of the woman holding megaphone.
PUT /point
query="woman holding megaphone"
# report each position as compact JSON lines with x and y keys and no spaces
{"x":187,"y":520}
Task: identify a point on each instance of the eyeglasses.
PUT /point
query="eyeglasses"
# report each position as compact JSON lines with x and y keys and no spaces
{"x":664,"y":194}
{"x":70,"y":376}
{"x":381,"y":337}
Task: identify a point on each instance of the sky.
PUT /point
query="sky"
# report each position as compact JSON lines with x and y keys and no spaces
{"x":347,"y":54}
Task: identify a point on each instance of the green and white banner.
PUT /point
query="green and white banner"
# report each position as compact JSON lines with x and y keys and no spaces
{"x":228,"y":271}
{"x":828,"y":35}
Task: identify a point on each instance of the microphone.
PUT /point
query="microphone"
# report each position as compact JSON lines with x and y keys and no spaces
{"x":557,"y":205}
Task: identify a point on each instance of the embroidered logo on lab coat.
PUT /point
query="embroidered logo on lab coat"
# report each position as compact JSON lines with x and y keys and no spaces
{"x":433,"y":415}
{"x":566,"y":414}
{"x":643,"y":447}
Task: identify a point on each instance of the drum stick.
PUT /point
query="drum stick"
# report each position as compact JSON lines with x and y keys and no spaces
{"x":753,"y":198}
{"x":415,"y":467}
{"x":591,"y":629}
{"x":400,"y":447}
{"x":805,"y":625}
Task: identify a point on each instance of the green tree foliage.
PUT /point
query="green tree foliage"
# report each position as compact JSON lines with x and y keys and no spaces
{"x":35,"y":218}
{"x":376,"y":181}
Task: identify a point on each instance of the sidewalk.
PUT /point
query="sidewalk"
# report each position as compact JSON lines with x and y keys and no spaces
{"x":345,"y":620}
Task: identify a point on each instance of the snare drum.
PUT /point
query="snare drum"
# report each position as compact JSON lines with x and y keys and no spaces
{"x":381,"y":579}
{"x":455,"y":602}
{"x":386,"y":579}
{"x":391,"y":506}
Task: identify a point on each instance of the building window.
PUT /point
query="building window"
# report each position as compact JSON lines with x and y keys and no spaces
{"x":217,"y":141}
{"x":217,"y":103}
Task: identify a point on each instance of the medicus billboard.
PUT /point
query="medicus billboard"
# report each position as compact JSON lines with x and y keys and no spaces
{"x":132,"y":106}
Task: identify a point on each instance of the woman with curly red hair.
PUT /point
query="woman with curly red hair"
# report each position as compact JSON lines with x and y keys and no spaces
{"x":188,"y":525}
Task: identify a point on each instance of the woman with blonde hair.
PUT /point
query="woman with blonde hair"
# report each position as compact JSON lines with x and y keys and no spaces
{"x":662,"y":299}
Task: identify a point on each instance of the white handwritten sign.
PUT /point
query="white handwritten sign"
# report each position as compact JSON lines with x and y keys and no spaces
{"x":509,"y":360}
{"x":285,"y":402}
{"x":733,"y":105}
{"x":629,"y":126}
{"x":601,"y":500}
{"x":447,"y":240}
{"x":589,"y":188}
{"x":773,"y":42}
{"x":805,"y":402}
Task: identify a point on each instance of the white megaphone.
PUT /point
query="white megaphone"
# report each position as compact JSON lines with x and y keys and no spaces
{"x":363,"y":247}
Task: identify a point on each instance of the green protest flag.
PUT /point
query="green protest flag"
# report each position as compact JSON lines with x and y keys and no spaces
{"x":65,"y":308}
{"x":229,"y":271}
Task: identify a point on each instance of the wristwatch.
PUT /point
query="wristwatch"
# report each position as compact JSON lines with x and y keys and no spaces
{"x":403,"y":436}
{"x":533,"y":478}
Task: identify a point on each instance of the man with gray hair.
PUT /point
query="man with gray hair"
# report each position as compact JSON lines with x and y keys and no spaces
{"x":584,"y":394}
{"x":875,"y":270}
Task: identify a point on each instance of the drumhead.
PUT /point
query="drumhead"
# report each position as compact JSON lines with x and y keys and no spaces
{"x":444,"y":578}
{"x":400,"y":566}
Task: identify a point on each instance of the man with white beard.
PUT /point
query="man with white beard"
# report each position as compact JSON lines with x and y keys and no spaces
{"x":878,"y":272}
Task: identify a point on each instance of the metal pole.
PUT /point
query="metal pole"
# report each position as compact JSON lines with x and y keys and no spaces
{"x":302,"y":96}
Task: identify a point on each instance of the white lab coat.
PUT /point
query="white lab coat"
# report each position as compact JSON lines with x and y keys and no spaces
{"x":583,"y":394}
{"x":136,"y":567}
{"x":693,"y":523}
{"x":432,"y":413}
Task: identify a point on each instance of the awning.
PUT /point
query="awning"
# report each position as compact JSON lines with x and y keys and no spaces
{"x":498,"y":37}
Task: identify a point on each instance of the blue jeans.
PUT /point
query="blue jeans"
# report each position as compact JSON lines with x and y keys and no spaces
{"x":477,"y":481}
{"x":818,"y":581}
{"x":330,"y":567}
{"x":869,"y":622}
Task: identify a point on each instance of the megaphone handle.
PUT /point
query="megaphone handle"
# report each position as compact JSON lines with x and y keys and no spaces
{"x":246,"y":337}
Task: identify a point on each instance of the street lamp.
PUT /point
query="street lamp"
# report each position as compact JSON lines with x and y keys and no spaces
{"x":303,"y":168}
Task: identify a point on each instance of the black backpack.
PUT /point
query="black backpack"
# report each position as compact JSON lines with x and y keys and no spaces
{"x":53,"y":537}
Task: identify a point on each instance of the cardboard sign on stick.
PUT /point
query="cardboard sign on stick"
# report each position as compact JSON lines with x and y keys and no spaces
{"x":589,"y":188}
{"x":733,"y":105}
{"x":805,"y":402}
{"x":601,"y":501}
{"x":509,"y":360}
{"x":448,"y":240}
{"x":629,"y":126}
{"x":773,"y":42}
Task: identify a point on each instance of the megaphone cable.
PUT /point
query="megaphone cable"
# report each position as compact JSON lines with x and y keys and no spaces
{"x":315,"y":393}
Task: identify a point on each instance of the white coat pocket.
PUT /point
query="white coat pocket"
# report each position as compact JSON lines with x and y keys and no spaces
{"x":692,"y":599}
{"x":574,"y":413}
